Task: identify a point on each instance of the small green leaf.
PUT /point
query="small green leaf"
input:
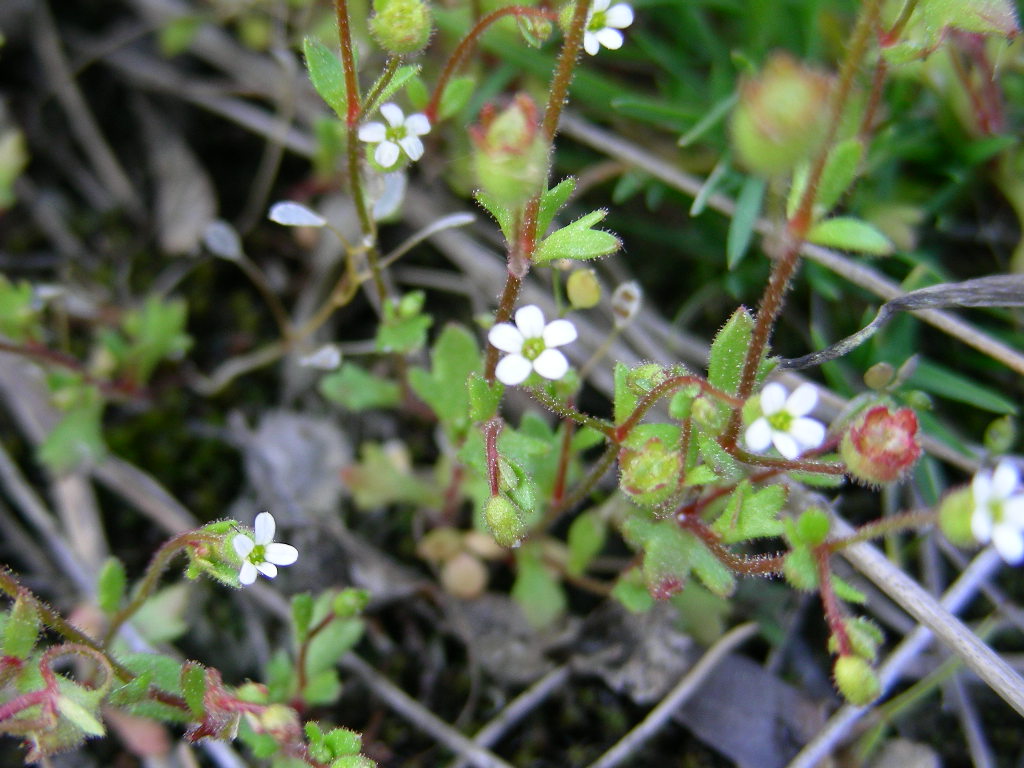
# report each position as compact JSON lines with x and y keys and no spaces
{"x":21,"y":629}
{"x":722,"y":463}
{"x":586,"y":539}
{"x":845,"y":591}
{"x":454,"y":358}
{"x":456,"y":96}
{"x":342,"y":741}
{"x":193,"y":686}
{"x":19,"y":311}
{"x":728,"y":351}
{"x":625,"y":397}
{"x":499,"y":213}
{"x":76,"y":439}
{"x":484,"y":397}
{"x":537,"y":592}
{"x":839,"y":173}
{"x":708,"y":568}
{"x":327,"y":75}
{"x":358,"y":390}
{"x":418,"y":93}
{"x":322,"y":688}
{"x":749,"y":515}
{"x":302,"y":616}
{"x":849,"y":234}
{"x":552,"y":201}
{"x":578,"y":241}
{"x":80,"y":717}
{"x":402,"y":76}
{"x":632,"y":593}
{"x":110,"y":585}
{"x":404,"y":325}
{"x":702,"y":474}
{"x":744,"y":220}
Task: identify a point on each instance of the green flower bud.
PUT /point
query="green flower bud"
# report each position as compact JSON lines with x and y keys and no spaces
{"x":781,"y":117}
{"x":401,"y":26}
{"x":510,"y":154}
{"x":651,"y":474}
{"x":583,"y":289}
{"x":506,"y":521}
{"x":864,"y":635}
{"x":879,"y":376}
{"x":1000,"y":435}
{"x":856,"y":680}
{"x":955,"y":512}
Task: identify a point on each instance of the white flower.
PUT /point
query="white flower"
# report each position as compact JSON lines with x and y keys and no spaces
{"x":264,"y":554}
{"x":783,"y":422}
{"x":603,"y":25}
{"x":529,"y":346}
{"x":999,"y":511}
{"x":401,"y":134}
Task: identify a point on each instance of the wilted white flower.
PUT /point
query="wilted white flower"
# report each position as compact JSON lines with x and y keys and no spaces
{"x":401,"y":134}
{"x":264,"y":554}
{"x":529,"y":344}
{"x":626,"y":301}
{"x":326,"y":358}
{"x":784,"y":421}
{"x":999,"y":511}
{"x":603,"y":25}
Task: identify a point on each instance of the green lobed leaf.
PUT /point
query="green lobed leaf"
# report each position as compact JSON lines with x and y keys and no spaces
{"x":156,"y":332}
{"x":849,"y":234}
{"x":404,"y":326}
{"x":578,"y":241}
{"x":454,"y":357}
{"x":110,"y":585}
{"x":551,"y":201}
{"x":538,"y":593}
{"x":744,"y":220}
{"x":356,"y":389}
{"x":751,"y":515}
{"x":586,"y":539}
{"x":327,"y":75}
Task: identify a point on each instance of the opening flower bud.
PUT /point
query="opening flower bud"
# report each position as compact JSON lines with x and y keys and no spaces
{"x":881,"y":445}
{"x":510,"y":152}
{"x":781,"y":118}
{"x":401,"y":26}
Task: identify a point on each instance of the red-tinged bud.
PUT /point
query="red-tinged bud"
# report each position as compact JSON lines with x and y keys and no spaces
{"x":651,"y":474}
{"x":881,"y":445}
{"x":511,"y":154}
{"x":782,"y":116}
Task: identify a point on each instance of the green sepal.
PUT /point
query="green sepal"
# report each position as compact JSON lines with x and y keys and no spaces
{"x":846,"y":233}
{"x":110,"y":585}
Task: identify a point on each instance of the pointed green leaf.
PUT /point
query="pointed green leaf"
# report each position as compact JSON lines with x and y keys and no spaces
{"x":358,"y":390}
{"x":327,"y":75}
{"x":484,"y":397}
{"x":21,"y":629}
{"x":750,"y":515}
{"x":110,"y":585}
{"x":578,"y":241}
{"x":708,"y":568}
{"x":625,"y":397}
{"x":455,"y":97}
{"x":193,"y":686}
{"x":80,"y":717}
{"x":586,"y":539}
{"x":728,"y":351}
{"x":551,"y":201}
{"x":849,"y":234}
{"x":499,"y":213}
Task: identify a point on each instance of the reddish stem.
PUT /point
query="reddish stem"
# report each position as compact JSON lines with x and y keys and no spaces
{"x":491,"y":430}
{"x":673,"y":382}
{"x":833,"y":613}
{"x":760,"y":565}
{"x":348,"y":63}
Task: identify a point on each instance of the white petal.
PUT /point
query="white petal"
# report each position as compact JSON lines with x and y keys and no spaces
{"x":506,"y":337}
{"x":220,"y":239}
{"x":281,"y":554}
{"x":807,"y":432}
{"x":413,"y":147}
{"x":551,"y":364}
{"x":981,"y":488}
{"x":590,"y":44}
{"x":610,"y":38}
{"x":386,"y":154}
{"x":785,"y":445}
{"x":559,"y":332}
{"x":373,"y":132}
{"x":619,"y":16}
{"x":243,"y":545}
{"x":530,"y":321}
{"x":803,"y":400}
{"x":773,"y":398}
{"x":327,"y":358}
{"x":1013,"y":510}
{"x":417,"y":124}
{"x":247,"y":573}
{"x":513,"y":369}
{"x":267,"y":569}
{"x":264,"y":528}
{"x":981,"y":525}
{"x":1005,"y":480}
{"x":759,"y":436}
{"x":600,"y":5}
{"x":1009,"y":543}
{"x":393,"y":114}
{"x":295,"y":215}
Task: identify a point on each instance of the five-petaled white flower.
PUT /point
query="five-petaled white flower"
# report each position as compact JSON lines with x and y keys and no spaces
{"x":999,"y":510}
{"x":603,"y":25}
{"x":264,"y":554}
{"x":529,"y":344}
{"x":401,"y":134}
{"x":784,"y":421}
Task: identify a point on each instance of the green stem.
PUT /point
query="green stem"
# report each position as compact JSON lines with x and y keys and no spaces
{"x":568,"y":412}
{"x":914,"y":520}
{"x":390,"y":68}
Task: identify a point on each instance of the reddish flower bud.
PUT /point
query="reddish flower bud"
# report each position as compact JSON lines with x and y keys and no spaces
{"x":511,"y":153}
{"x":881,"y":445}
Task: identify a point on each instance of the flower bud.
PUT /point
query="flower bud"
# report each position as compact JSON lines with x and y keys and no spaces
{"x":955,"y":511}
{"x":626,"y":302}
{"x":879,"y":376}
{"x":510,"y":154}
{"x":881,"y":445}
{"x":781,"y":117}
{"x":440,"y":544}
{"x":506,"y":521}
{"x":401,"y":26}
{"x":856,"y":680}
{"x":651,"y":474}
{"x":583,"y":289}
